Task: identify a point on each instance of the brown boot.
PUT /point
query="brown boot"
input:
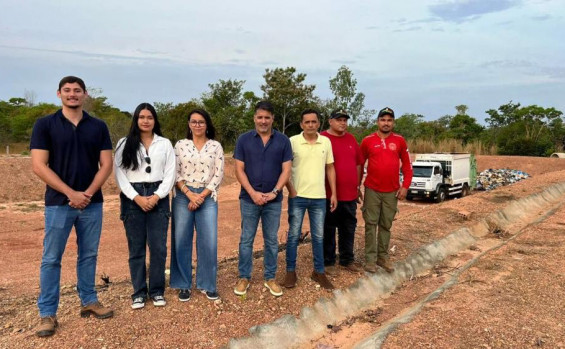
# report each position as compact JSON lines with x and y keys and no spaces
{"x":322,"y":279}
{"x":290,"y":279}
{"x":385,"y":264}
{"x":352,"y":268}
{"x":96,"y":309}
{"x":370,"y":268}
{"x":273,"y":287}
{"x":47,"y":326}
{"x":241,"y":287}
{"x":331,"y":270}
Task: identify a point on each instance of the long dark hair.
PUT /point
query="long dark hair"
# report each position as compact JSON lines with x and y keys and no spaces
{"x":131,"y":146}
{"x":210,"y":130}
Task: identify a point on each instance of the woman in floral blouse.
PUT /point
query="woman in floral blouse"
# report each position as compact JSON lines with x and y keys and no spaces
{"x":200,"y":169}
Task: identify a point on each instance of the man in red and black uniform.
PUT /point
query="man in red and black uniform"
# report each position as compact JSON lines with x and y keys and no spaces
{"x":348,"y":164}
{"x":384,"y":150}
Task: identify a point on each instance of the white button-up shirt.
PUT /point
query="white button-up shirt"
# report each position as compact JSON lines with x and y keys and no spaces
{"x":204,"y":168}
{"x":162,"y":165}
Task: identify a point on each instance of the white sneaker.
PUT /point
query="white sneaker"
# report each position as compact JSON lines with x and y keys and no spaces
{"x":159,"y":301}
{"x":138,"y":303}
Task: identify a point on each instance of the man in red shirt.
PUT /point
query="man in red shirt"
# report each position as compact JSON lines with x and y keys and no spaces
{"x":348,"y":164}
{"x":383,"y":149}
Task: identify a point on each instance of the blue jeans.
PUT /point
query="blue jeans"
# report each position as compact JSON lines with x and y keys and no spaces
{"x":184,"y":222}
{"x":316,"y":208}
{"x":59,"y":221}
{"x":270,"y":215}
{"x":146,"y":229}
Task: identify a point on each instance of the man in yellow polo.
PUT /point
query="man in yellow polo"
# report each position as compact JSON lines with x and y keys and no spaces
{"x":312,"y":162}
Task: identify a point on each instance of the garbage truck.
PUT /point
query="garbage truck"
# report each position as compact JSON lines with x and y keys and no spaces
{"x":441,"y":175}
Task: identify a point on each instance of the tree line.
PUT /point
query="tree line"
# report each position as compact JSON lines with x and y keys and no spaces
{"x":511,"y":129}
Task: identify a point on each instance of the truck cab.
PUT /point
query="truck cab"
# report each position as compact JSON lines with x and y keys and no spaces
{"x":439,"y":175}
{"x":428,"y":176}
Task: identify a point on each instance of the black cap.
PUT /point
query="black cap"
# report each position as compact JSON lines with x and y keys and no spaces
{"x":339,"y":113}
{"x":386,"y":111}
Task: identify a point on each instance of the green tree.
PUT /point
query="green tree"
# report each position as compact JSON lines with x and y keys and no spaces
{"x":22,"y":121}
{"x":17,"y":101}
{"x":118,"y":122}
{"x":464,"y":128}
{"x":367,"y":119}
{"x":434,"y":130}
{"x":444,"y":121}
{"x":512,"y":141}
{"x":408,"y":125}
{"x":537,"y":120}
{"x":174,"y":119}
{"x":344,"y":89}
{"x":6,"y":111}
{"x":531,"y":130}
{"x":229,"y":109}
{"x":461,"y":109}
{"x":286,"y":90}
{"x":505,"y":115}
{"x":557,"y":130}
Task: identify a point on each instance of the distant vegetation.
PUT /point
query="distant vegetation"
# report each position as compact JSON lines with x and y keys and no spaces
{"x":511,"y":129}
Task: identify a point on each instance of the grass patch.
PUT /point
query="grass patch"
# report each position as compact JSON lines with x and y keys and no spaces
{"x":29,"y":207}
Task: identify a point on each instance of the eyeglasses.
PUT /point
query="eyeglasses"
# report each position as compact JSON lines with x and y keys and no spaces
{"x":148,"y":161}
{"x":198,"y":123}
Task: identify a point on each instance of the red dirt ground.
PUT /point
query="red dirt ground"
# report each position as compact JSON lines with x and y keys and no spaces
{"x":201,"y":323}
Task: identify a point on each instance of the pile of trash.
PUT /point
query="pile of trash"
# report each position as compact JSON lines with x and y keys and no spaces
{"x":494,"y":178}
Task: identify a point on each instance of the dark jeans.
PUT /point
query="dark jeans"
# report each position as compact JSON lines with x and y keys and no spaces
{"x":344,"y":219}
{"x":146,"y":228}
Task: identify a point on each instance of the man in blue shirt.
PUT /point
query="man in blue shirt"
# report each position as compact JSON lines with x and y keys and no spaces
{"x":263,"y":162}
{"x":71,"y":152}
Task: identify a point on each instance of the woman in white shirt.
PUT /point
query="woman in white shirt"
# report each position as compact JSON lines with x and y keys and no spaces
{"x":144,"y":165}
{"x":200,"y":169}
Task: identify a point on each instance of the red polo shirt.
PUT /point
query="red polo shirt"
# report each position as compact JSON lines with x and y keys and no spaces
{"x":347,"y":155}
{"x":384,"y":165}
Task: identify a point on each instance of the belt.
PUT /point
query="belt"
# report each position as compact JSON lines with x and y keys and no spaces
{"x":146,"y":184}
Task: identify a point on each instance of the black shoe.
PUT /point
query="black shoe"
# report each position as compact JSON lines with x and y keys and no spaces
{"x":138,"y":303}
{"x":159,"y":301}
{"x":211,"y":295}
{"x":184,"y":295}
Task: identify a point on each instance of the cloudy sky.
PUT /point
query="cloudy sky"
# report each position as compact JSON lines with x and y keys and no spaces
{"x":415,"y":56}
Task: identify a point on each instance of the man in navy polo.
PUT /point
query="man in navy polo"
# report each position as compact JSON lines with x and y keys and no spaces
{"x":71,"y":152}
{"x":263,"y":162}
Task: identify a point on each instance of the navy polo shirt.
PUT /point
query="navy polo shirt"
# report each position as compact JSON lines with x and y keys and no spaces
{"x":74,"y":152}
{"x":263,"y":163}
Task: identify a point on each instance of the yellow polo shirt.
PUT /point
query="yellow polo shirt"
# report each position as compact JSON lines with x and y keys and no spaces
{"x":309,"y":165}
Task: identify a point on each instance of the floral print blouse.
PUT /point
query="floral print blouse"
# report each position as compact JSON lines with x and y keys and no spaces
{"x":204,"y":168}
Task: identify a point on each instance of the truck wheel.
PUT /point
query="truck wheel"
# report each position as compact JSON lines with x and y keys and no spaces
{"x":441,"y":195}
{"x":410,"y":198}
{"x":465,"y":191}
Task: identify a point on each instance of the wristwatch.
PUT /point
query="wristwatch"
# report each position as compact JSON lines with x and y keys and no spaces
{"x":275,"y":191}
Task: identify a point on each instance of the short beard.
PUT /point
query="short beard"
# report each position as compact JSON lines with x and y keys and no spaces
{"x":73,"y":106}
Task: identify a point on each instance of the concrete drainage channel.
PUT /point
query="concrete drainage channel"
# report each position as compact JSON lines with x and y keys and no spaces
{"x":289,"y":331}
